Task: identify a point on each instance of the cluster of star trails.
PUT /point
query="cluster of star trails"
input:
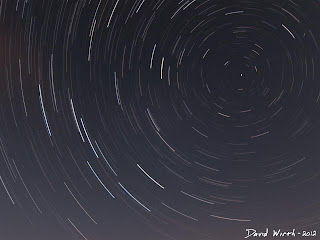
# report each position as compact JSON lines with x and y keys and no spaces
{"x":191,"y":114}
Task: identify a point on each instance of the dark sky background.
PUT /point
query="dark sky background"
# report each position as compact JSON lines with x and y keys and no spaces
{"x":158,"y":119}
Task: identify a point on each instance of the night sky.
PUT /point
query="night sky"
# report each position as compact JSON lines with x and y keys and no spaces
{"x":158,"y":119}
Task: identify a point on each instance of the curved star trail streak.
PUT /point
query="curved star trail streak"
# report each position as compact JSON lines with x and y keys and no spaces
{"x":158,"y":119}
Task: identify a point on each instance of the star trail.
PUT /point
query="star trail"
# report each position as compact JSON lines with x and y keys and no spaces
{"x":158,"y":119}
